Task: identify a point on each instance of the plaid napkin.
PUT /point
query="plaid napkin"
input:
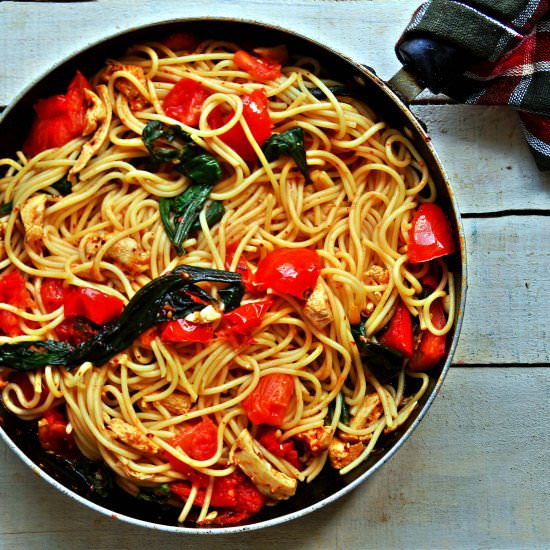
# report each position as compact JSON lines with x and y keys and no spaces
{"x":507,"y":47}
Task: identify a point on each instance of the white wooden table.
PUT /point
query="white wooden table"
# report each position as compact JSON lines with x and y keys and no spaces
{"x":476,"y":473}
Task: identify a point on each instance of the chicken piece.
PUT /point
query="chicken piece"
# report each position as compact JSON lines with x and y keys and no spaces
{"x":125,"y":86}
{"x":270,"y":482}
{"x":33,"y":215}
{"x":98,"y":119}
{"x":316,"y":440}
{"x":128,"y":255}
{"x":341,"y":453}
{"x":131,"y":436}
{"x":317,"y":308}
{"x":369,"y":411}
{"x":377,"y":275}
{"x":204,"y":316}
{"x":176,"y":403}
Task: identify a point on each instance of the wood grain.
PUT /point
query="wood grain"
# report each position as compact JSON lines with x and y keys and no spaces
{"x":475,"y":473}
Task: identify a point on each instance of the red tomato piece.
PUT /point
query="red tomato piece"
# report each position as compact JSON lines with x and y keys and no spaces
{"x":286,"y":449}
{"x":182,"y":330}
{"x":399,"y":335}
{"x":198,"y":440}
{"x":75,"y":330}
{"x":256,"y":115}
{"x":244,"y":319}
{"x":14,"y":293}
{"x":184,"y":101}
{"x":59,"y":118}
{"x":22,"y":380}
{"x":289,"y":271}
{"x":93,"y":304}
{"x":432,"y":346}
{"x":181,"y":41}
{"x":268,"y":402}
{"x":258,"y":67}
{"x":52,"y":433}
{"x":51,"y":293}
{"x":430,"y":235}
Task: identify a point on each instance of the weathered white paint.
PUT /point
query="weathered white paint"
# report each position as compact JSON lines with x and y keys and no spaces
{"x":475,"y":473}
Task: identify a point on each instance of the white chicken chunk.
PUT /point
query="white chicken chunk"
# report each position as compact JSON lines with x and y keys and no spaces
{"x":204,"y":316}
{"x":33,"y":215}
{"x":131,"y":436}
{"x":341,"y":453}
{"x":369,"y":411}
{"x":127,"y":253}
{"x":125,"y":86}
{"x":98,"y":119}
{"x":317,"y":308}
{"x":176,"y":403}
{"x":316,"y":440}
{"x":272,"y":483}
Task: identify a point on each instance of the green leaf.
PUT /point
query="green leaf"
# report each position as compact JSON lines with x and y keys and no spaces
{"x":6,"y":208}
{"x":63,"y":186}
{"x":159,"y":494}
{"x":289,"y":143}
{"x":336,"y":89}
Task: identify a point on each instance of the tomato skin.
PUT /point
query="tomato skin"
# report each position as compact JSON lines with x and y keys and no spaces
{"x":75,"y":330}
{"x":399,"y":335}
{"x":181,"y":41}
{"x":92,"y":304}
{"x":268,"y":402}
{"x":14,"y":293}
{"x":289,"y":271}
{"x":244,"y":319}
{"x":51,"y":293}
{"x":59,"y":118}
{"x":286,"y":449}
{"x":259,"y":67}
{"x":184,"y":101}
{"x":256,"y":115}
{"x":198,"y":440}
{"x":430,"y":235}
{"x":241,"y":267}
{"x":53,"y":435}
{"x":432,"y":346}
{"x":181,"y":330}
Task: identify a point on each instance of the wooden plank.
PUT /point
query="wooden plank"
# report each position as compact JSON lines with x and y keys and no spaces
{"x":486,"y":157}
{"x":506,"y":317}
{"x":473,"y":475}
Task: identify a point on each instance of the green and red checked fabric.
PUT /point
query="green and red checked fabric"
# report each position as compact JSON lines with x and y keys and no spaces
{"x":508,"y":42}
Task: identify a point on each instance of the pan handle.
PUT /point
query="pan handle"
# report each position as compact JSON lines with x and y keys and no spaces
{"x":427,"y":63}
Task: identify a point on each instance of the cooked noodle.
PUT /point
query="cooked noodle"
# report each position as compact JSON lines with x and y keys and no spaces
{"x":356,"y":213}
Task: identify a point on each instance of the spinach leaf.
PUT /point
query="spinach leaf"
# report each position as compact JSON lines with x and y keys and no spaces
{"x":63,"y":186}
{"x":6,"y":208}
{"x":384,"y":362}
{"x":336,"y":89}
{"x":291,"y":143}
{"x":344,"y":411}
{"x":172,"y":295}
{"x":158,"y":495}
{"x":214,"y":213}
{"x":180,"y":214}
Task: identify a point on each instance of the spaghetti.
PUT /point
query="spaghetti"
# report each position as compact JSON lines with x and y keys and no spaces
{"x":246,"y":397}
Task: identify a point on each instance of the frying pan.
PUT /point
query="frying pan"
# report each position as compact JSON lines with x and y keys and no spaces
{"x":330,"y":485}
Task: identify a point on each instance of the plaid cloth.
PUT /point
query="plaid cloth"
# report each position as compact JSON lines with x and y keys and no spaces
{"x":507,"y":45}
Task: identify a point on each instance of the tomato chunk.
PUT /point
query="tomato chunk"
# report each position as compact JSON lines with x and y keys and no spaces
{"x":244,"y":319}
{"x":14,"y":293}
{"x":258,"y":67}
{"x":268,"y":402}
{"x":59,"y":118}
{"x":432,"y":346}
{"x":51,"y":293}
{"x":53,"y":434}
{"x":399,"y":335}
{"x":430,"y":235}
{"x":181,"y":330}
{"x":286,"y":449}
{"x":256,"y":115}
{"x":93,"y":304}
{"x":184,"y":101}
{"x":289,"y":270}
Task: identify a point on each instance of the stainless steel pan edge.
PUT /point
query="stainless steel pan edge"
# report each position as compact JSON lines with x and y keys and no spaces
{"x":330,"y":486}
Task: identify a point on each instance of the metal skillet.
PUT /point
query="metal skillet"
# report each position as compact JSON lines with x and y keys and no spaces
{"x":386,"y":102}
